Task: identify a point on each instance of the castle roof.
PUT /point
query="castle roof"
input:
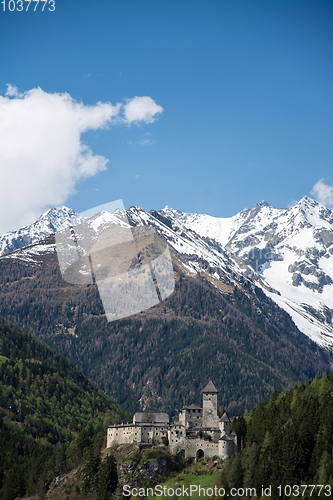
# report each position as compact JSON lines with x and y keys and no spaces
{"x":192,"y":407}
{"x":225,"y":417}
{"x":151,"y":417}
{"x":227,"y":438}
{"x":210,"y":387}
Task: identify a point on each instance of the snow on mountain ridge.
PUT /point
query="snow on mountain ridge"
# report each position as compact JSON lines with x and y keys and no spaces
{"x":292,"y":252}
{"x":219,"y":228}
{"x":197,"y":255}
{"x":103,"y":219}
{"x":54,"y":219}
{"x":287,"y":252}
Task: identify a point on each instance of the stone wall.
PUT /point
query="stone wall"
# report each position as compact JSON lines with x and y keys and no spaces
{"x":127,"y":434}
{"x":226,"y":448}
{"x":190,"y":417}
{"x":123,"y":434}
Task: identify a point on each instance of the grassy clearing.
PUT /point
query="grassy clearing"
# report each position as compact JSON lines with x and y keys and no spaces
{"x":3,"y":359}
{"x":196,"y":475}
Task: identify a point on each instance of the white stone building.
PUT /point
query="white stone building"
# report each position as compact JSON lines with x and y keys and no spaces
{"x":199,"y":432}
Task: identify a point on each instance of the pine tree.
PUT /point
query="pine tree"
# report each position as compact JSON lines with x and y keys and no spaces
{"x":107,"y":478}
{"x":13,"y":485}
{"x":90,"y":472}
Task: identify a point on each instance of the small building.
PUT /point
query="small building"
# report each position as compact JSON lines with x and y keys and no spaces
{"x":199,"y":432}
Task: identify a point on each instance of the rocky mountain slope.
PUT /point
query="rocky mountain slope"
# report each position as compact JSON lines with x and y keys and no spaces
{"x":287,"y":252}
{"x":217,"y":324}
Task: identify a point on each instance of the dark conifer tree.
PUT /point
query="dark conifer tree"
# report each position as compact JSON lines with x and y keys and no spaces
{"x":107,"y":478}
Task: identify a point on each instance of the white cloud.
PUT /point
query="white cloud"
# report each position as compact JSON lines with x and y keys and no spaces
{"x":323,"y":193}
{"x":12,"y":91}
{"x":41,"y":154}
{"x":141,"y":109}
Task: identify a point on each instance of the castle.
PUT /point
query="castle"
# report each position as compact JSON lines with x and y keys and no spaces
{"x":199,"y":432}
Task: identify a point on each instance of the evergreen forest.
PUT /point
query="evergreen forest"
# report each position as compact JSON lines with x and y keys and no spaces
{"x":53,"y":421}
{"x":52,"y":418}
{"x":286,"y":441}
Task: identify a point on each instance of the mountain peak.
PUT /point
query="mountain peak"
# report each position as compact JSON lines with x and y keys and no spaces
{"x":258,"y":206}
{"x":264,"y":203}
{"x":51,"y":221}
{"x":315,"y":213}
{"x":306,"y":201}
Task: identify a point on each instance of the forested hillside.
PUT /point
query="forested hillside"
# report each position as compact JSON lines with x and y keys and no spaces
{"x":49,"y":412}
{"x":286,"y":441}
{"x":239,"y":338}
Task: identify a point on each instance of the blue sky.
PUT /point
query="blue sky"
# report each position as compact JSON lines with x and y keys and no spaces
{"x":245,"y":87}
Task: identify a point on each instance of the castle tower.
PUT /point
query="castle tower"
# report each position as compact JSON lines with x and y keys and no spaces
{"x":209,"y":406}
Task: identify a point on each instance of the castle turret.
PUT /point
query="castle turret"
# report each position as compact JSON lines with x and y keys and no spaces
{"x":225,"y":424}
{"x":209,"y":406}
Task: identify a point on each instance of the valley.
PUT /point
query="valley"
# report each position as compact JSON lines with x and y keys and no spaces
{"x":226,"y":320}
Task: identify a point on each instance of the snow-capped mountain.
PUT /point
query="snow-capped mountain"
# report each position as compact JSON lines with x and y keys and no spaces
{"x":197,"y":255}
{"x":288,"y":252}
{"x":54,"y":219}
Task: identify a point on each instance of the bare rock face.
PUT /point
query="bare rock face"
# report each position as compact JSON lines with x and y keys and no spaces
{"x":154,"y":468}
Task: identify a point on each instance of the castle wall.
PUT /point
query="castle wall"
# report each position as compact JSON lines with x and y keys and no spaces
{"x":192,"y":447}
{"x":190,"y":417}
{"x":123,"y":434}
{"x":160,"y":433}
{"x":177,"y":437}
{"x":226,"y":448}
{"x":153,"y":433}
{"x":215,"y":434}
{"x":209,"y":448}
{"x":127,"y":434}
